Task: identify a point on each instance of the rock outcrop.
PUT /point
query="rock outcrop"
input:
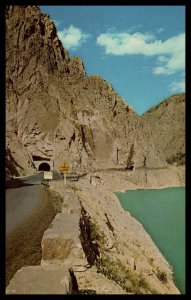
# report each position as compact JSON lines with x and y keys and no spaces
{"x":41,"y":280}
{"x":55,"y":110}
{"x":166,"y":124}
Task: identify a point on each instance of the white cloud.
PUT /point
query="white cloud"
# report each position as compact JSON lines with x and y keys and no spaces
{"x":72,"y":37}
{"x":113,"y":29}
{"x":133,"y":28}
{"x":161,"y":29}
{"x":57,"y":22}
{"x":162,"y":59}
{"x":173,"y":64}
{"x":177,"y":86}
{"x":124,"y":43}
{"x":171,"y":52}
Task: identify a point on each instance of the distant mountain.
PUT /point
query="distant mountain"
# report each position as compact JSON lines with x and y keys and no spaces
{"x":167,"y":123}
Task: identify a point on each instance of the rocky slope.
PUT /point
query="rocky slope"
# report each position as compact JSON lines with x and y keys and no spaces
{"x":167,"y":128}
{"x":106,"y":249}
{"x":55,"y":110}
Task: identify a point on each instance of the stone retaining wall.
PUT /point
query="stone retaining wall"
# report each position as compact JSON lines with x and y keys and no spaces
{"x":61,"y":252}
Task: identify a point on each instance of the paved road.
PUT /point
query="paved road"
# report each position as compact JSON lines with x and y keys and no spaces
{"x":24,"y":197}
{"x":29,"y":212}
{"x":21,"y":203}
{"x":37,"y":177}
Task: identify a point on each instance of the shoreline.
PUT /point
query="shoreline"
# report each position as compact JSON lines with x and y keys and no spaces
{"x":150,"y":188}
{"x":141,"y":246}
{"x":153,"y":188}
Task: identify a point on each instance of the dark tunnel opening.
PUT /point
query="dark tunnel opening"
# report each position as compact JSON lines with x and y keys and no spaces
{"x":44,"y":167}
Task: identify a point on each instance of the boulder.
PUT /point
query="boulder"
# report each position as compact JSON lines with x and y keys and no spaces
{"x":41,"y":280}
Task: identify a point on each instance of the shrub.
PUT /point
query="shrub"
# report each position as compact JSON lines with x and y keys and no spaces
{"x":179,"y":158}
{"x":114,"y":270}
{"x":142,"y":283}
{"x":162,"y":276}
{"x":96,"y":235}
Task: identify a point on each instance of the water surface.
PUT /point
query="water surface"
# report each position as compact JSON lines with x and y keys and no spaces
{"x":162,"y":213}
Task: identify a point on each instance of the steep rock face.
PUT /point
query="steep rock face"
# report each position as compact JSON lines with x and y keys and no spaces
{"x":166,"y":126}
{"x":54,"y":110}
{"x":32,"y":44}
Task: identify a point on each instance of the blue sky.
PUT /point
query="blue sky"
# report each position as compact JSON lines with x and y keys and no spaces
{"x":139,"y":49}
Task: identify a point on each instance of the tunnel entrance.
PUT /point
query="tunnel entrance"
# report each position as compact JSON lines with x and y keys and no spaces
{"x":44,"y":167}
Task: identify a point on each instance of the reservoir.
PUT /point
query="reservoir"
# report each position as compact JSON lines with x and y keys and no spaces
{"x":162,"y":213}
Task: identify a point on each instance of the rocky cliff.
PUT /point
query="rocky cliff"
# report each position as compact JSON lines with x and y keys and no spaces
{"x":166,"y":122}
{"x":54,"y":110}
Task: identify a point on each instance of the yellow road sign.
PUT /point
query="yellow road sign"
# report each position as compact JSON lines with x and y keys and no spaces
{"x":64,"y":168}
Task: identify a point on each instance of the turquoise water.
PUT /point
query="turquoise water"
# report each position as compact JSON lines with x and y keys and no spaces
{"x":162,"y":213}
